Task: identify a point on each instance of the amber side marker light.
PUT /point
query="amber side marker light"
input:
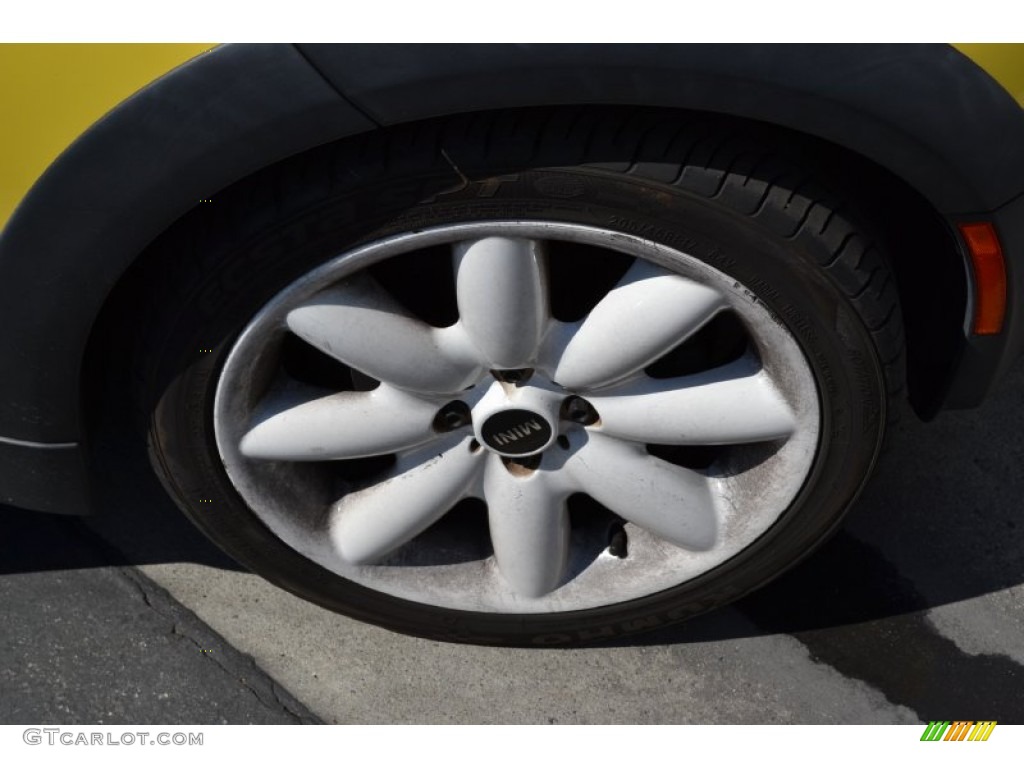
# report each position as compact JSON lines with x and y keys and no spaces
{"x":989,"y":277}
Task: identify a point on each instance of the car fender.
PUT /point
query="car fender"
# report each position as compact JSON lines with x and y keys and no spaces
{"x":925,"y":112}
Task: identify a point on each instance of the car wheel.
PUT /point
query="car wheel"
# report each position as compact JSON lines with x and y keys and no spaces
{"x":488,"y":379}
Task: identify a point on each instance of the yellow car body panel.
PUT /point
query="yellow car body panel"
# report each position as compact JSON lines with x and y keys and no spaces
{"x":1004,"y":62}
{"x":51,"y":93}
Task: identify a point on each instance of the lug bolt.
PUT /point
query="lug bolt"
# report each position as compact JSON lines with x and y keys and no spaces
{"x":452,"y":416}
{"x":617,"y":541}
{"x":514,"y":376}
{"x":579,"y":410}
{"x":530,"y":462}
{"x":522,"y":465}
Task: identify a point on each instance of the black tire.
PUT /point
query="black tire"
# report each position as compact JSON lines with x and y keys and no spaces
{"x":736,"y":197}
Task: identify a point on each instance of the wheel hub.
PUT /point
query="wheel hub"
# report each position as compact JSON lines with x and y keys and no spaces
{"x":516,"y":421}
{"x":516,"y":432}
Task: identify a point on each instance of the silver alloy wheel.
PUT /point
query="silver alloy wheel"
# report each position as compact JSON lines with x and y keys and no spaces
{"x":519,"y":410}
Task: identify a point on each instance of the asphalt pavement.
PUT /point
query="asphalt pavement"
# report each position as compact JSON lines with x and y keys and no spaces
{"x":913,"y":612}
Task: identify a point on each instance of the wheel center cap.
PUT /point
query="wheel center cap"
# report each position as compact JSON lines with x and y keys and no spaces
{"x":516,"y":432}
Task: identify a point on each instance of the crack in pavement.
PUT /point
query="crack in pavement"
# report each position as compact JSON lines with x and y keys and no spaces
{"x":240,"y":667}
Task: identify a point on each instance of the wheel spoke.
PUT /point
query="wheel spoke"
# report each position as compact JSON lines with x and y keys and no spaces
{"x":502,"y":295}
{"x":347,"y":425}
{"x":725,"y":406}
{"x":422,"y":487}
{"x":362,"y":325}
{"x":671,"y":502}
{"x":529,"y":528}
{"x":648,"y":313}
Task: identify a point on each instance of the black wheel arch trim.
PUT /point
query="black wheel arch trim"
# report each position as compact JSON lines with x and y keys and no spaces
{"x":214,"y":120}
{"x":924,"y":112}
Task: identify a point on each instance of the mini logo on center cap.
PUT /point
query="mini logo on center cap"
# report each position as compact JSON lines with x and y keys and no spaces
{"x":516,"y":432}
